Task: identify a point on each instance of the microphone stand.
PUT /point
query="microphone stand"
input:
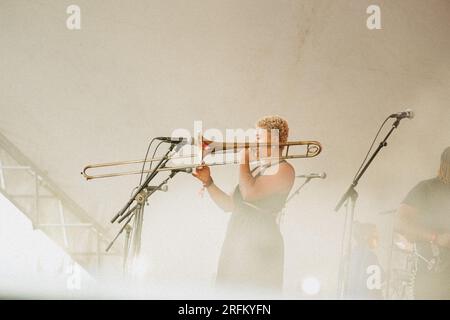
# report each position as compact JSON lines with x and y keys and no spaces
{"x":137,"y":211}
{"x":349,"y":199}
{"x":139,"y":219}
{"x":150,"y":177}
{"x":297,"y":192}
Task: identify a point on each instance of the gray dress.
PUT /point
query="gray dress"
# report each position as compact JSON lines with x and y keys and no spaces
{"x":252,"y":255}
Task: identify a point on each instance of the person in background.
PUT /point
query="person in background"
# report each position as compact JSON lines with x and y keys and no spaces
{"x":424,"y":217}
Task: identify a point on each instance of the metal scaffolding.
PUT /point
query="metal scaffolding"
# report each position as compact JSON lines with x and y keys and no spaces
{"x":52,"y":211}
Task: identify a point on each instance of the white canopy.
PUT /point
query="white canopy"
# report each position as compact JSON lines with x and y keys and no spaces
{"x":142,"y":69}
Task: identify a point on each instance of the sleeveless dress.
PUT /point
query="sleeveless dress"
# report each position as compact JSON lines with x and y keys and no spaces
{"x":252,"y":255}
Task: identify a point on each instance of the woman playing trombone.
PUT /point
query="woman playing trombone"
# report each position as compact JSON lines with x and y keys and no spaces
{"x":252,"y":255}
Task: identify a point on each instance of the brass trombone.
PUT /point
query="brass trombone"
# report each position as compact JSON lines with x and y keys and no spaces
{"x":207,"y":147}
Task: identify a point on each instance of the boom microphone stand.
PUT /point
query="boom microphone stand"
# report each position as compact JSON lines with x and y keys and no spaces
{"x":307,"y":180}
{"x":140,"y":197}
{"x":144,"y":185}
{"x":349,"y":199}
{"x":138,"y":214}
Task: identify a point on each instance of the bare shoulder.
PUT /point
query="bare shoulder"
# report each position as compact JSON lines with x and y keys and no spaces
{"x":282,"y":170}
{"x":287,"y":168}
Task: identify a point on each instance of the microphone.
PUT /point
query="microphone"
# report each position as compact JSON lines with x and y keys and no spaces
{"x":322,"y":175}
{"x":408,"y":113}
{"x":174,"y":139}
{"x":185,"y":170}
{"x":163,"y":188}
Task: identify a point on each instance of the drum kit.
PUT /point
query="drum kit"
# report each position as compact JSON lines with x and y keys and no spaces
{"x":405,"y":258}
{"x":403,"y":268}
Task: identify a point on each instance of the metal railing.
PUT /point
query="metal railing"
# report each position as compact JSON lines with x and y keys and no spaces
{"x":51,"y":210}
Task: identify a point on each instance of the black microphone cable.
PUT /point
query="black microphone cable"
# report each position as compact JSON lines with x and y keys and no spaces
{"x":371,"y":147}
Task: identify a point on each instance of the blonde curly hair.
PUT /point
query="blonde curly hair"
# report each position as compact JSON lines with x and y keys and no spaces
{"x":275,"y":122}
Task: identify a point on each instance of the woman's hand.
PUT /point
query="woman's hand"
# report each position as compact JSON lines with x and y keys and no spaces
{"x":223,"y":200}
{"x":245,"y":156}
{"x":203,"y":174}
